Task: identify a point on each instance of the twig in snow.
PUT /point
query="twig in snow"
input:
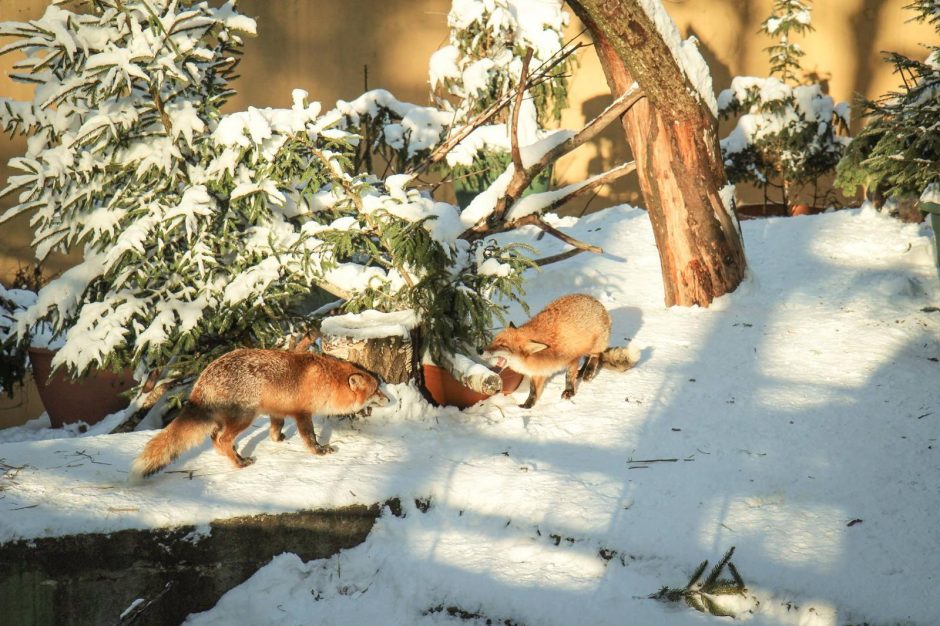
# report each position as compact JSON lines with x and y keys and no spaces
{"x":89,"y":457}
{"x":190,"y":473}
{"x":686,"y":459}
{"x":9,"y":472}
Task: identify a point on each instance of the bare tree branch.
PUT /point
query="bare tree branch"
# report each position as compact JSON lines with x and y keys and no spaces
{"x":591,"y":130}
{"x":514,"y":127}
{"x":521,"y":179}
{"x":555,"y":258}
{"x":536,"y":220}
{"x":594,"y":182}
{"x":540,"y":75}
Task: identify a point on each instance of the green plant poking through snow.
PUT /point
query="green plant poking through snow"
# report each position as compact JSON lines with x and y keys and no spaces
{"x":786,"y":135}
{"x":898,"y":151}
{"x":200,"y":231}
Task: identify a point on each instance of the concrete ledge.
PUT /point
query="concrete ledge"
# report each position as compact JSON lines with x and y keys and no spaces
{"x":94,"y":578}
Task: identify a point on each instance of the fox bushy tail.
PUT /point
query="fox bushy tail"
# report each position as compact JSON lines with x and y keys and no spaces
{"x":620,"y":359}
{"x":189,"y":428}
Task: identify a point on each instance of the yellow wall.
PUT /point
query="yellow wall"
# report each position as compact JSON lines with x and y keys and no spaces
{"x":322,"y":46}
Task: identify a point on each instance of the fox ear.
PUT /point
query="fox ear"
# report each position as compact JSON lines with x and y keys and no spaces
{"x":511,"y":325}
{"x":357,"y":382}
{"x":536,"y":346}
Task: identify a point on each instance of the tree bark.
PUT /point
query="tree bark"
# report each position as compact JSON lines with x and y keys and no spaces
{"x":675,"y":144}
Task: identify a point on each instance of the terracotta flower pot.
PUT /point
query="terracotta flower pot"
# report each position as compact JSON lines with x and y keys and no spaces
{"x":446,"y":390}
{"x":802,"y":209}
{"x":88,"y":399}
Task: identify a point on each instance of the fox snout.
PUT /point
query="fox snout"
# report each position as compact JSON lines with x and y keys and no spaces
{"x":497,"y":356}
{"x":379,"y":398}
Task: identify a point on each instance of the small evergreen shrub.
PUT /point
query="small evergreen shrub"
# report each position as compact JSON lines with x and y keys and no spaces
{"x":786,"y":135}
{"x":898,"y":150}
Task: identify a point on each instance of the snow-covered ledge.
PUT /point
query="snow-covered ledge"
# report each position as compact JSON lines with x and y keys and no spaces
{"x":161,"y":575}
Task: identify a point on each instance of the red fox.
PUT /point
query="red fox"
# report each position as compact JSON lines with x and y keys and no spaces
{"x":237,"y":387}
{"x":556,"y":339}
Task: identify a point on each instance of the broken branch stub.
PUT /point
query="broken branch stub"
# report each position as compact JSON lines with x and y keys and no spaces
{"x":472,"y":375}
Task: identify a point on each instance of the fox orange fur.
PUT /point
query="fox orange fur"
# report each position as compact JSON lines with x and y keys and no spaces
{"x":556,"y":339}
{"x":239,"y":386}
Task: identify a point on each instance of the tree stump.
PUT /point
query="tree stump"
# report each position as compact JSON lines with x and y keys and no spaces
{"x":392,"y":358}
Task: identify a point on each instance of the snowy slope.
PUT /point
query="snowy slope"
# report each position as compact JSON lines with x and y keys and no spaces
{"x":805,"y":401}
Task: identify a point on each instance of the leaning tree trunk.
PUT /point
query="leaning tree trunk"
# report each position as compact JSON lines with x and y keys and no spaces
{"x":674,"y":140}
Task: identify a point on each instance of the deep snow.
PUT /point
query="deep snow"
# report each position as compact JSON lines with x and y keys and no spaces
{"x":803,"y":411}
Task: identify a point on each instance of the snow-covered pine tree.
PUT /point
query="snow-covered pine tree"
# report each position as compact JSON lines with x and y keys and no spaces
{"x":202,"y":232}
{"x":482,"y":63}
{"x":13,"y":356}
{"x":787,"y":135}
{"x":898,"y":151}
{"x":125,"y":94}
{"x":483,"y":60}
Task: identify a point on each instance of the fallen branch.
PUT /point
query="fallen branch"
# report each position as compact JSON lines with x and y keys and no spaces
{"x":139,"y":607}
{"x":339,"y":292}
{"x":702,"y":596}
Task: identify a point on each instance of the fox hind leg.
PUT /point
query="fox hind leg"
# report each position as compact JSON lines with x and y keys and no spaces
{"x":571,"y":380}
{"x":277,"y":423}
{"x":224,"y":441}
{"x":591,"y":367}
{"x":536,"y":385}
{"x":309,"y":436}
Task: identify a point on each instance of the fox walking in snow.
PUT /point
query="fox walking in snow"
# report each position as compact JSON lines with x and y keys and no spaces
{"x":556,"y":339}
{"x":243,"y":384}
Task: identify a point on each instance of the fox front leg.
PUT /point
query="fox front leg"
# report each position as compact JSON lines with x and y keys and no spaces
{"x":536,"y":385}
{"x":305,"y":429}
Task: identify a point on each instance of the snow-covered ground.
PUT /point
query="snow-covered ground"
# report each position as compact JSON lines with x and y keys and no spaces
{"x":796,"y":420}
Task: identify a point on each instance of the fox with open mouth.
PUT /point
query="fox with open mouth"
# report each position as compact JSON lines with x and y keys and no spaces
{"x":557,"y":338}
